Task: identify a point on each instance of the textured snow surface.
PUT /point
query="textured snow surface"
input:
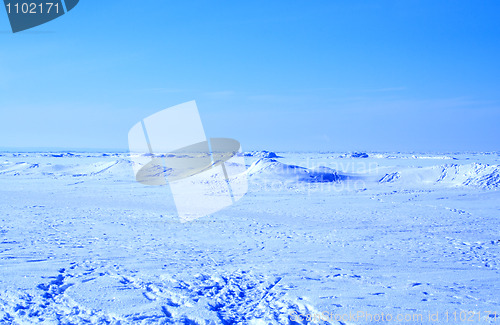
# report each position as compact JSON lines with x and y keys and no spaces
{"x":474,"y":175}
{"x":411,"y":234}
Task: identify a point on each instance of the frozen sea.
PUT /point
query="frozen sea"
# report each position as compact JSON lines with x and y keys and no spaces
{"x":320,"y":238}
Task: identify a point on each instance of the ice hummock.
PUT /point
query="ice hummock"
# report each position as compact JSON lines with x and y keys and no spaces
{"x":273,"y":169}
{"x":454,"y":175}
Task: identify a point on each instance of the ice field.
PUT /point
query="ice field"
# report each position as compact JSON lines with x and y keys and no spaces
{"x":328,"y":238}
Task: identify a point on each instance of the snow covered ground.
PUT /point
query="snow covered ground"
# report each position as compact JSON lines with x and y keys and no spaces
{"x":354,"y":238}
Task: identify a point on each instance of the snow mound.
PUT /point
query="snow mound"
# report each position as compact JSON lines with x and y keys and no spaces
{"x":260,"y":154}
{"x":472,"y":175}
{"x":275,"y":170}
{"x":66,"y":170}
{"x":17,"y":168}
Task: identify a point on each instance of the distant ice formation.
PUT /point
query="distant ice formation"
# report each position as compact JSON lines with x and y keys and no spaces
{"x":260,"y":154}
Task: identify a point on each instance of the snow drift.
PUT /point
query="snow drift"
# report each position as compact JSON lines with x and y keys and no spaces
{"x":61,"y":169}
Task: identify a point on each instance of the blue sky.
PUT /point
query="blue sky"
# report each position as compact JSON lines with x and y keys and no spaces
{"x":278,"y":75}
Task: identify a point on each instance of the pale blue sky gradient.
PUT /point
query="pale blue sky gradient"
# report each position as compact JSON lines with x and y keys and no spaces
{"x":278,"y":75}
